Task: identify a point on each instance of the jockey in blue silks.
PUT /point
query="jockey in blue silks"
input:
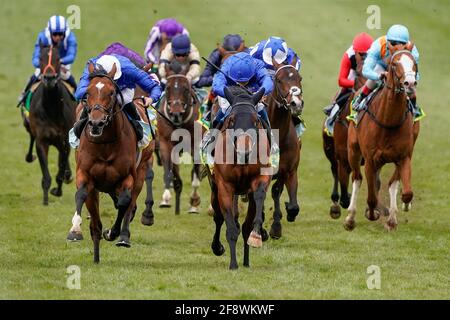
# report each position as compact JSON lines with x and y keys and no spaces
{"x":276,"y":48}
{"x":56,"y":32}
{"x":378,"y":56}
{"x":241,"y":68}
{"x":127,"y":77}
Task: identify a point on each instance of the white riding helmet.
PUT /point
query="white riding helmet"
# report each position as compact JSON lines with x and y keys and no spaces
{"x":107,"y":61}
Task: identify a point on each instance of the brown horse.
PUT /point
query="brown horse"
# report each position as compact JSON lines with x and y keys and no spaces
{"x":178,"y":132}
{"x":52,"y":114}
{"x":107,"y":161}
{"x":335,"y":147}
{"x":285,"y":102}
{"x":385,"y":134}
{"x":234,"y":174}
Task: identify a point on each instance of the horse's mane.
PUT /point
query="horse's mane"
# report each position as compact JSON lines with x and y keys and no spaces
{"x":240,"y":93}
{"x":176,"y":67}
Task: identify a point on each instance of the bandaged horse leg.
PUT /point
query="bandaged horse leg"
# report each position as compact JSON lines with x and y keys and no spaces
{"x":195,"y":197}
{"x":75,"y":233}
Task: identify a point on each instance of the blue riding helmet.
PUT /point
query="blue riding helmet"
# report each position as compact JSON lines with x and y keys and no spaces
{"x":398,"y":33}
{"x":275,"y":48}
{"x":57,"y":24}
{"x":243,"y":69}
{"x":181,"y":44}
{"x":231,"y":42}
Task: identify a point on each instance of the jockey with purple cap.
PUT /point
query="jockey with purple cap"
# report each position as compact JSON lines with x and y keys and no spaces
{"x":164,"y":29}
{"x":275,"y":48}
{"x":55,"y":33}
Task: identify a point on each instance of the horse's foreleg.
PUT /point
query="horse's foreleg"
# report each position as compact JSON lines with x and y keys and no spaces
{"x":391,"y":222}
{"x":195,"y":183}
{"x":343,"y":174}
{"x":277,"y":190}
{"x":75,"y":233}
{"x":226,"y":193}
{"x":126,"y":206}
{"x":247,"y":227}
{"x":95,"y":222}
{"x":216,"y":245}
{"x":178,"y":187}
{"x":328,"y":148}
{"x":168,"y":174}
{"x":405,"y":175}
{"x":30,"y":157}
{"x":372,"y":212}
{"x":42,"y":152}
{"x":63,"y":159}
{"x":292,"y":207}
{"x":354,"y":157}
{"x":147,"y":218}
{"x":259,"y":194}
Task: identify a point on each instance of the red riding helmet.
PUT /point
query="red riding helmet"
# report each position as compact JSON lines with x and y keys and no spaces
{"x":362,"y":42}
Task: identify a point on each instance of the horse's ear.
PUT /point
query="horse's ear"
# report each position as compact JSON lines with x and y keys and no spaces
{"x":91,"y":67}
{"x":409,"y":46}
{"x":222,"y":51}
{"x":275,"y":64}
{"x":294,"y":62}
{"x":228,"y":95}
{"x":258,"y":95}
{"x":168,"y":69}
{"x":113,"y":71}
{"x":241,"y":47}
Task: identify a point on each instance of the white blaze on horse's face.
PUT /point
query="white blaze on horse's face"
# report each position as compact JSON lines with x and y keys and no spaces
{"x":295,"y":93}
{"x":407,"y":63}
{"x":99,"y":86}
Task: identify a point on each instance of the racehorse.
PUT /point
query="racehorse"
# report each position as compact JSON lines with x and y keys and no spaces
{"x":385,"y":133}
{"x":232,"y":177}
{"x":285,"y":102}
{"x":52,"y":114}
{"x":177,"y":131}
{"x":107,"y":161}
{"x":335,"y":147}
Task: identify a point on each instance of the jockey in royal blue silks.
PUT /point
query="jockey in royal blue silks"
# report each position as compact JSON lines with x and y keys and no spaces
{"x":56,"y":32}
{"x":378,"y":56}
{"x":242,"y":69}
{"x":127,"y":77}
{"x":275,"y":48}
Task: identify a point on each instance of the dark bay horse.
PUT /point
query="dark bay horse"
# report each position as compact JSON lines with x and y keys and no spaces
{"x":385,"y":134}
{"x":242,"y":138}
{"x":178,"y":132}
{"x":285,"y":102}
{"x":108,"y":161}
{"x":335,"y":148}
{"x":52,"y":114}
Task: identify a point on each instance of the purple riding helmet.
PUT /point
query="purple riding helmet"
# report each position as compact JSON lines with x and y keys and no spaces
{"x":120,"y":49}
{"x":170,"y":27}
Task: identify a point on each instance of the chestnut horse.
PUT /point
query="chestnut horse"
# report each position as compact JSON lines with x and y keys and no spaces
{"x":177,"y":132}
{"x":335,"y":147}
{"x":107,"y":161}
{"x":52,"y":114}
{"x":385,"y":133}
{"x":285,"y":102}
{"x":234,"y":174}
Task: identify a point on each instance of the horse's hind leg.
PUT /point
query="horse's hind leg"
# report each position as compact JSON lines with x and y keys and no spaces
{"x":30,"y":157}
{"x":95,"y":223}
{"x":147,"y":218}
{"x":405,"y":175}
{"x":343,"y":174}
{"x":178,"y":187}
{"x":292,"y":207}
{"x":216,"y":245}
{"x":63,"y":159}
{"x":328,"y":148}
{"x":195,"y":197}
{"x":42,"y":152}
{"x":354,"y":157}
{"x":277,"y":189}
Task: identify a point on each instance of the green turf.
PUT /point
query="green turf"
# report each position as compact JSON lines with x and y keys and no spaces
{"x":316,"y":258}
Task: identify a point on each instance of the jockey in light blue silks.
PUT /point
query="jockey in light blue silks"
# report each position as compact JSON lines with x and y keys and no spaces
{"x":127,"y":77}
{"x":56,"y":32}
{"x":276,"y":48}
{"x":377,"y":59}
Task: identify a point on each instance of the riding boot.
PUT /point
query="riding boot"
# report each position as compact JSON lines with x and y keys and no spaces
{"x":72,"y":82}
{"x":357,"y":101}
{"x":133,"y":115}
{"x":30,"y":83}
{"x":81,"y":123}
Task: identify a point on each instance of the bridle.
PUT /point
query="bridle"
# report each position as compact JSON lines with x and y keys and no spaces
{"x":185,"y":104}
{"x":393,"y":67}
{"x":49,"y":62}
{"x":283,"y":103}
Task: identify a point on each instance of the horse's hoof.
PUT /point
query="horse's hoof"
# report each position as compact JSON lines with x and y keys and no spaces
{"x":390,"y":225}
{"x":233,"y":266}
{"x":345,"y":202}
{"x":292,"y":212}
{"x":74,"y":236}
{"x":30,"y":158}
{"x":384,"y":210}
{"x":56,"y":192}
{"x":164,"y":204}
{"x":244,"y":198}
{"x":68,"y":180}
{"x":218,"y":250}
{"x":406,"y":206}
{"x":147,"y":220}
{"x":275,"y":231}
{"x":335,"y":211}
{"x":254,"y":240}
{"x":210,"y":211}
{"x":349,"y":224}
{"x":88,"y":216}
{"x":45,"y":202}
{"x":193,"y":210}
{"x":374,"y":217}
{"x":264,"y":235}
{"x":108,"y":235}
{"x":123,"y":243}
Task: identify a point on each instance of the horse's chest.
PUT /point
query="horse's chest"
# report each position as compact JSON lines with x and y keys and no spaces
{"x":106,"y":173}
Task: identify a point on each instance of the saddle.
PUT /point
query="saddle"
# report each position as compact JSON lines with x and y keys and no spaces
{"x":355,"y":113}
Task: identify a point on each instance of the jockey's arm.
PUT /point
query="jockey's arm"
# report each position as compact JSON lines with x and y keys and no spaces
{"x":69,"y":58}
{"x":146,"y":82}
{"x":83,"y":84}
{"x":153,"y":37}
{"x":344,"y":72}
{"x":415,"y":54}
{"x":166,"y":57}
{"x":206,"y":78}
{"x":219,"y":83}
{"x":263,"y":78}
{"x":37,"y":52}
{"x":194,"y":64}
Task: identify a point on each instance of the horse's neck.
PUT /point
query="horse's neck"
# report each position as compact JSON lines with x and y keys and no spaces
{"x":280,"y":117}
{"x":393,"y":105}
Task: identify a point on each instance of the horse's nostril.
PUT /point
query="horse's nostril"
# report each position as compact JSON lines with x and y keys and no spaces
{"x":415,"y":83}
{"x":406,"y":83}
{"x":293,"y":104}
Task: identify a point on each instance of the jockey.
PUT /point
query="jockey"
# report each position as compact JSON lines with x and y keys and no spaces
{"x":127,"y":76}
{"x":232,"y":43}
{"x":276,"y":48}
{"x":183,"y":51}
{"x":375,"y":65}
{"x":347,"y":75}
{"x":164,"y":30}
{"x":56,"y":32}
{"x":120,"y":49}
{"x":242,"y":69}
